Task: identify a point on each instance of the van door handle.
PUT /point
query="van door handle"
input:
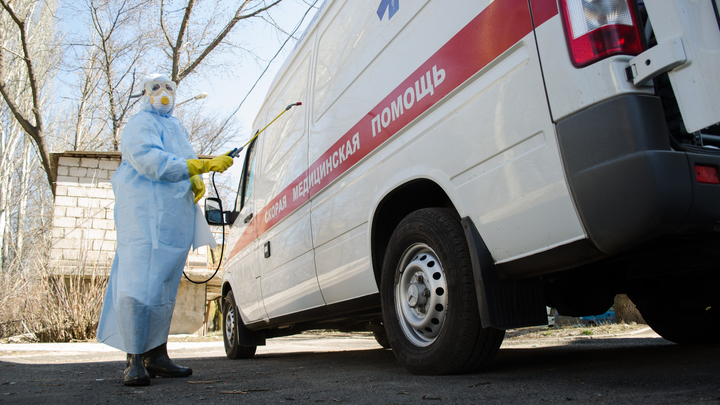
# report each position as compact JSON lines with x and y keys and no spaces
{"x":248,"y":218}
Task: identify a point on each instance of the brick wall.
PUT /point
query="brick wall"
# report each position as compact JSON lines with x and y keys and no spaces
{"x":84,"y":234}
{"x":83,"y":227}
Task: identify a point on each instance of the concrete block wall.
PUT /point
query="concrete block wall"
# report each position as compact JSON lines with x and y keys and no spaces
{"x":189,"y":312}
{"x":83,"y":228}
{"x":84,"y":235}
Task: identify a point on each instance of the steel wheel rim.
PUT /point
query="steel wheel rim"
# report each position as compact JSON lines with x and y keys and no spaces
{"x":420,"y":295}
{"x":230,"y":325}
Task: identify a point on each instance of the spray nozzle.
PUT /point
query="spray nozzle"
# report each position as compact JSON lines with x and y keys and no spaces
{"x":236,"y":152}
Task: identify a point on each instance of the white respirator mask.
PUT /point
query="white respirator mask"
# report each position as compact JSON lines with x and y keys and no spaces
{"x":162,"y":95}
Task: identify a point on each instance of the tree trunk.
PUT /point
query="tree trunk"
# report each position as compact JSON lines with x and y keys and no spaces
{"x":35,"y":131}
{"x":8,"y":163}
{"x":2,"y":235}
{"x":23,"y":196}
{"x":625,"y":310}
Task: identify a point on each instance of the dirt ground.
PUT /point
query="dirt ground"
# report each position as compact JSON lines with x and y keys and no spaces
{"x":611,"y":364}
{"x":539,"y":332}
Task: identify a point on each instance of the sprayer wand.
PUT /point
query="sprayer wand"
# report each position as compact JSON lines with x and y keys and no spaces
{"x":236,"y":152}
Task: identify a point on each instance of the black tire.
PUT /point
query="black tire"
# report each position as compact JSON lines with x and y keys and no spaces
{"x":429,"y":304}
{"x":381,"y":337}
{"x":233,"y":330}
{"x":683,"y":311}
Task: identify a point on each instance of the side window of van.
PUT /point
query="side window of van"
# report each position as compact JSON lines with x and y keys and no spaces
{"x":343,"y":52}
{"x":247,"y":179}
{"x":352,"y":41}
{"x":282,"y":143}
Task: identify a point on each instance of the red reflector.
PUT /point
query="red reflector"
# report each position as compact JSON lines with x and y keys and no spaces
{"x":706,"y":174}
{"x":605,"y":42}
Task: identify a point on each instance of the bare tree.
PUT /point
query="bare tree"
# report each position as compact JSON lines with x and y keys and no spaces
{"x":85,"y":129}
{"x":195,"y":41}
{"x":31,"y":25}
{"x":26,"y":32}
{"x":120,"y":47}
{"x":207,"y":134}
{"x":22,"y":197}
{"x":10,"y":141}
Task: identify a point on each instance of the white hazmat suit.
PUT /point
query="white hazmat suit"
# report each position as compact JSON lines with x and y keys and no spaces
{"x":155,"y":219}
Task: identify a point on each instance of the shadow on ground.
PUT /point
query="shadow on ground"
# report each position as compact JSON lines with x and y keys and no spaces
{"x":626,"y":370}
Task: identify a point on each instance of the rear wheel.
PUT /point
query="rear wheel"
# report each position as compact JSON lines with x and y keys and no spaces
{"x":234,"y":331}
{"x":428,"y":297}
{"x":681,"y":311}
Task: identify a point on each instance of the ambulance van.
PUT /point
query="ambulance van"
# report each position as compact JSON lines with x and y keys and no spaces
{"x":456,"y":166}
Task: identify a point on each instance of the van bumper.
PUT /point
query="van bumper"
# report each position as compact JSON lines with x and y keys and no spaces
{"x":627,"y":183}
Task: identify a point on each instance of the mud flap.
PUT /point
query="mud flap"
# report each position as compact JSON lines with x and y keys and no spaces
{"x":252,"y":338}
{"x":504,"y":303}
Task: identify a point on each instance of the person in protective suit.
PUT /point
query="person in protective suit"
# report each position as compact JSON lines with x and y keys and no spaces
{"x":156,"y":188}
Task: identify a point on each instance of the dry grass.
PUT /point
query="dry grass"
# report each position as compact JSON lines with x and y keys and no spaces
{"x":72,"y":308}
{"x":540,"y":332}
{"x":52,"y":308}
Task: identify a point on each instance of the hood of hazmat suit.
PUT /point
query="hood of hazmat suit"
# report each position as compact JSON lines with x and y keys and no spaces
{"x":155,"y":219}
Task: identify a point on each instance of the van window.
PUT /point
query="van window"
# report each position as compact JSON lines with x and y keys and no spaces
{"x":246,"y":180}
{"x":282,"y":138}
{"x":352,"y":40}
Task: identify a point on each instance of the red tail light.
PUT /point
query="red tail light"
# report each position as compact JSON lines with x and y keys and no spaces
{"x":597,"y":29}
{"x":706,"y":174}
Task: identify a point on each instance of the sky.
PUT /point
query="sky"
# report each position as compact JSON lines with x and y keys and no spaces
{"x":226,"y":90}
{"x":226,"y":93}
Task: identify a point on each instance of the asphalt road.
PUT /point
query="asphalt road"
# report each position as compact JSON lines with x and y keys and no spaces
{"x":638,"y":368}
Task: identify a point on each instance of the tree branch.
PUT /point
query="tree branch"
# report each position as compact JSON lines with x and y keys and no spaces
{"x":219,"y":38}
{"x":24,"y":123}
{"x":178,"y":43}
{"x":34,"y":131}
{"x":162,"y":24}
{"x":12,"y":52}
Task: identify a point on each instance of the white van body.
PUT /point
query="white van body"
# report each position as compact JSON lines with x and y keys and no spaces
{"x":472,"y":107}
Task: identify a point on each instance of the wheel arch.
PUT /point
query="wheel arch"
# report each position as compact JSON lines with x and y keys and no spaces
{"x":396,"y":205}
{"x":226,"y":288}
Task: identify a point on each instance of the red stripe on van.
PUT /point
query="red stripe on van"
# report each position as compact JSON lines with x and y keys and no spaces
{"x":543,"y":10}
{"x":501,"y":25}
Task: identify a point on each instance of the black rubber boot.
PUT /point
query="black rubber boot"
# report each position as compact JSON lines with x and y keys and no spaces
{"x":135,"y":373}
{"x":157,"y":363}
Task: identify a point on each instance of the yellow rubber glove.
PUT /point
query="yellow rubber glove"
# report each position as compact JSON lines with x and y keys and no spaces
{"x":216,"y":164}
{"x":198,"y":187}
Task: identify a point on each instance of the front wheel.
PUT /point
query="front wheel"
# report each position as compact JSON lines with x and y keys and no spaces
{"x":381,"y":337}
{"x":233,"y":330}
{"x":429,"y":304}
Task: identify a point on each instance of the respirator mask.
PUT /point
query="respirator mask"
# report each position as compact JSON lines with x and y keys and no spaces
{"x":162,"y":95}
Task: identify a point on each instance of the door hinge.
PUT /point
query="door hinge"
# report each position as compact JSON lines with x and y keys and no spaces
{"x":659,"y":59}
